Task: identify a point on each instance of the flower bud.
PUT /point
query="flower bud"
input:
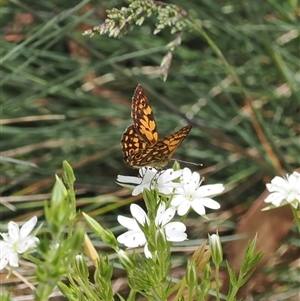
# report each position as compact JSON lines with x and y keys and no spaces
{"x":216,"y":248}
{"x":90,"y":250}
{"x":97,"y":229}
{"x":59,"y":193}
{"x":160,"y":240}
{"x":206,"y":279}
{"x":68,"y":174}
{"x":58,"y":213}
{"x":191,"y":274}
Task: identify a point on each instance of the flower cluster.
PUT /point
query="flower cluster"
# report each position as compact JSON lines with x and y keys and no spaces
{"x":185,"y":194}
{"x":135,"y":236}
{"x":16,"y":241}
{"x":179,"y":191}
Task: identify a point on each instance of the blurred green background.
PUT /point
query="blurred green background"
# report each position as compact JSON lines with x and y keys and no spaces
{"x":66,"y":96}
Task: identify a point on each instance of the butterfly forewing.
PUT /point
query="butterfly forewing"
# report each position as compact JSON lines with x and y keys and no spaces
{"x":140,"y":143}
{"x":143,"y":118}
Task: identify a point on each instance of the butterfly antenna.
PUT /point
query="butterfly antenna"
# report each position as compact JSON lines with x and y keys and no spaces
{"x":187,"y":162}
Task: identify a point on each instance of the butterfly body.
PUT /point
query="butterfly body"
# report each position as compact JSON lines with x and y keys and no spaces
{"x":140,"y":142}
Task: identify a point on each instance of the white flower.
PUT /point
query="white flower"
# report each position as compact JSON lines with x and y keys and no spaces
{"x":174,"y":230}
{"x":16,"y":241}
{"x":150,"y":178}
{"x":193,"y":195}
{"x":135,"y":236}
{"x":284,"y":190}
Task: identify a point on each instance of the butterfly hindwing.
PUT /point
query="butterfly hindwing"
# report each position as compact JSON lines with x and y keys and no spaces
{"x":131,"y":142}
{"x":174,"y":140}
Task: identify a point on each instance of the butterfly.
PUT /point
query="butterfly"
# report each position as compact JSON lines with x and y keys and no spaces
{"x":140,"y":142}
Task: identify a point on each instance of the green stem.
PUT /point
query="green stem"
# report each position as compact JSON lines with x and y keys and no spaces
{"x":160,"y":288}
{"x":296,"y":217}
{"x":217,"y":277}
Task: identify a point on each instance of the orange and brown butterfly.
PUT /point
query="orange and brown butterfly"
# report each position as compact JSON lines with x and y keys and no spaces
{"x":141,"y":144}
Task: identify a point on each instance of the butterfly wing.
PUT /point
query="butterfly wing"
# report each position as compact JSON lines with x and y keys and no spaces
{"x":131,"y":143}
{"x":174,"y":140}
{"x":143,"y":118}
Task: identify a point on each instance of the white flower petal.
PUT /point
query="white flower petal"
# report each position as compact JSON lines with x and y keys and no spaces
{"x":166,"y":216}
{"x":148,"y":172}
{"x":208,"y":190}
{"x":294,"y":180}
{"x":13,"y":231}
{"x":147,"y":252}
{"x":5,"y":248}
{"x":210,"y":203}
{"x":26,"y":244}
{"x":177,"y":200}
{"x":160,"y":211}
{"x":140,"y":188}
{"x":183,"y":208}
{"x":164,"y":190}
{"x":169,"y":175}
{"x":129,"y":223}
{"x":275,"y":198}
{"x":147,"y":175}
{"x":129,"y":179}
{"x":190,"y":180}
{"x":28,"y":227}
{"x":3,"y":262}
{"x":195,"y":179}
{"x":176,"y":226}
{"x":163,"y":182}
{"x":186,"y":175}
{"x":10,"y":258}
{"x":198,"y":207}
{"x":175,"y":231}
{"x":138,"y":213}
{"x":122,"y":238}
{"x":132,"y":239}
{"x":278,"y":182}
{"x":176,"y":236}
{"x":292,"y":196}
{"x":13,"y":260}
